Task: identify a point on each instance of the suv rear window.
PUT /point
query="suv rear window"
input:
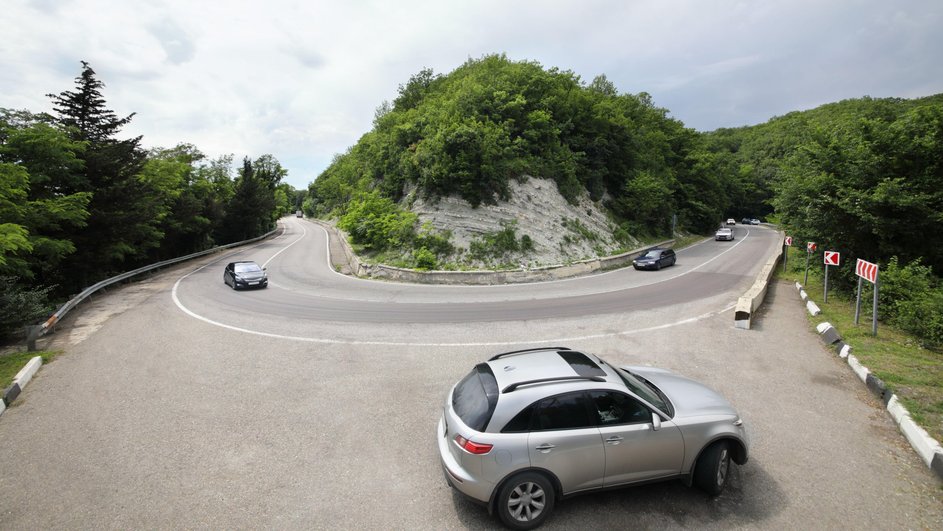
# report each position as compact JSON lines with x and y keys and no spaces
{"x":475,"y":396}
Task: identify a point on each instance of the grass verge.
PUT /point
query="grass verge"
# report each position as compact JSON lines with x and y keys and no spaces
{"x":912,"y":372}
{"x":11,"y":364}
{"x":688,"y":240}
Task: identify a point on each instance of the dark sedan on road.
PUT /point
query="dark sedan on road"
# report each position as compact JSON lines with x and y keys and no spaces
{"x":655,"y":259}
{"x":245,"y":274}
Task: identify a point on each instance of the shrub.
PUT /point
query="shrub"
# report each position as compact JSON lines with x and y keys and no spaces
{"x":527,"y":244}
{"x":499,"y":244}
{"x":923,"y":317}
{"x":437,"y":243}
{"x":425,"y":259}
{"x":911,"y":298}
{"x":378,"y":223}
{"x":21,"y":306}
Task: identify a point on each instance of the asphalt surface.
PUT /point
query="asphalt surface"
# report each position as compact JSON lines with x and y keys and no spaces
{"x":179,"y":403}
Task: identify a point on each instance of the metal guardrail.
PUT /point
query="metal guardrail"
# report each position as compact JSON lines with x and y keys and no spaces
{"x":34,"y":332}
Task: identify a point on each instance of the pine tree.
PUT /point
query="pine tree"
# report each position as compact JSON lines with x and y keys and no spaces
{"x":119,"y":229}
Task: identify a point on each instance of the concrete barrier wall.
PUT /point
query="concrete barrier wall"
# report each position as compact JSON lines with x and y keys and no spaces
{"x":748,"y":303}
{"x":512,"y":276}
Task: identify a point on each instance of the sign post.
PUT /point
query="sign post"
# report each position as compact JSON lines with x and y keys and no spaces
{"x":787,"y":243}
{"x":867,"y":271}
{"x":809,"y":247}
{"x":832,"y":258}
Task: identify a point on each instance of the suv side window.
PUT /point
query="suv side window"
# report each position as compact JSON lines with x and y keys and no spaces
{"x":562,"y":412}
{"x":611,"y":408}
{"x":521,"y":422}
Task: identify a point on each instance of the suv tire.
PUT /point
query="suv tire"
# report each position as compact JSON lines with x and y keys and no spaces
{"x":525,"y":501}
{"x":712,"y":468}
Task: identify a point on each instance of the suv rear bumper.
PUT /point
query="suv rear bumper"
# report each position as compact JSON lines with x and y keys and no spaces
{"x":456,"y":475}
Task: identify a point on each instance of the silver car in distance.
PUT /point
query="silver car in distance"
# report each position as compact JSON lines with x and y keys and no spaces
{"x":529,"y":427}
{"x":724,"y":234}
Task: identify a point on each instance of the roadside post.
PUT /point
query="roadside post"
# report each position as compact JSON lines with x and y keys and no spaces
{"x":868,"y":271}
{"x":832,"y":258}
{"x":809,"y":248}
{"x":787,"y":243}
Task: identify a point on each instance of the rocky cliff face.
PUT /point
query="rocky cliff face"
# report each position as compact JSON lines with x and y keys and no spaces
{"x":561,"y":232}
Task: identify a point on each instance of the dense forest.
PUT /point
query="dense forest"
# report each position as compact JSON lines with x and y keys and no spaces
{"x":79,"y":204}
{"x":865,"y":175}
{"x":862,"y":176}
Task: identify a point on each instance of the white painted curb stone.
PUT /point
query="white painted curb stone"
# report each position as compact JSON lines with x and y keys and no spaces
{"x":26,"y":373}
{"x":859,"y":369}
{"x":813,"y":308}
{"x":896,"y":409}
{"x":845,"y":351}
{"x":919,"y":439}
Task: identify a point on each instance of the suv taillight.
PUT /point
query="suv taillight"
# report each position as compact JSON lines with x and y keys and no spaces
{"x":472,"y":447}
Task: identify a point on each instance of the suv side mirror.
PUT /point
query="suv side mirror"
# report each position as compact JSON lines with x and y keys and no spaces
{"x":656,"y":422}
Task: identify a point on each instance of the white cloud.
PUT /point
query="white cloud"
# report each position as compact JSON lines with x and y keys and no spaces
{"x":301,"y":80}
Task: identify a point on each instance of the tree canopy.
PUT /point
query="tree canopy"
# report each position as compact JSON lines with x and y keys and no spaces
{"x":78,"y":203}
{"x":492,"y":119}
{"x":864,"y":175}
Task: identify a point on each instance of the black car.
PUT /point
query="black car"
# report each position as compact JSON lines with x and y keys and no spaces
{"x":245,"y":274}
{"x":655,"y":259}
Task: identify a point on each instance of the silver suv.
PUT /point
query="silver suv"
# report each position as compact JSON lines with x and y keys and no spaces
{"x":531,"y":426}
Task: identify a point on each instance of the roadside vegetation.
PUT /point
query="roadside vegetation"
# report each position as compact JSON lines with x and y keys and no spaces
{"x":911,"y":366}
{"x":79,"y":203}
{"x":12,"y":363}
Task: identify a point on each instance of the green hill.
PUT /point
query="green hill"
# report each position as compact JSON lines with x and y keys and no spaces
{"x":491,"y":120}
{"x":864,"y":174}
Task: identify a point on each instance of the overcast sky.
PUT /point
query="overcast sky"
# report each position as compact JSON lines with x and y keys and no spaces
{"x":301,"y":79}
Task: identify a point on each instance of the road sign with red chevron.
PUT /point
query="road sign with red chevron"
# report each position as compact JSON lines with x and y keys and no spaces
{"x":810,"y":247}
{"x":866,"y":270}
{"x":832,"y":258}
{"x":788,"y":241}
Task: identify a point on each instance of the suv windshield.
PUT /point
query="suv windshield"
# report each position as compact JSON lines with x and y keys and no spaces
{"x":647,"y":391}
{"x":475,"y":396}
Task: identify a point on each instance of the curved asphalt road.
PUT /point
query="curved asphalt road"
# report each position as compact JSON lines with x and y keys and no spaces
{"x":303,"y":289}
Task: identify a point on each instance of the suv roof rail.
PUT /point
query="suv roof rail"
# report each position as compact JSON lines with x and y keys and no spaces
{"x":503,"y":354}
{"x":514,"y":386}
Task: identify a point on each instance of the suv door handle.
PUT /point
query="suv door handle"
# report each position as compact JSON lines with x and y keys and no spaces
{"x":545,"y":448}
{"x":614,"y":440}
